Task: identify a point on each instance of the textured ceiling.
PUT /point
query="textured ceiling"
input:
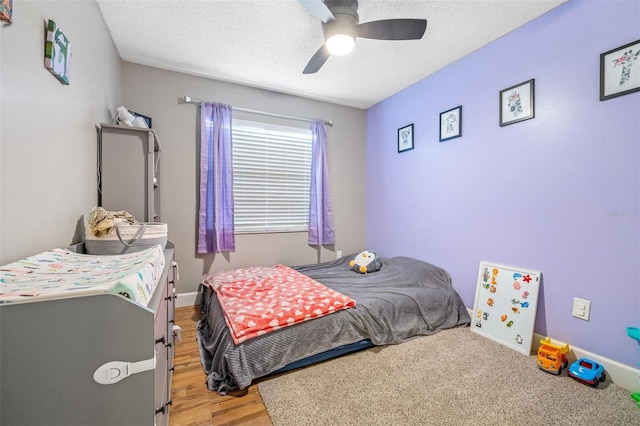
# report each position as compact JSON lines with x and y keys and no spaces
{"x":267,"y":43}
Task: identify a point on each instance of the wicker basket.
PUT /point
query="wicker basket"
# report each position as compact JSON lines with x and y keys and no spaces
{"x":127,"y":238}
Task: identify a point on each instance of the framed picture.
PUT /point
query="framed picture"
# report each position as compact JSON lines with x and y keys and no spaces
{"x":405,"y":138}
{"x":146,"y":119}
{"x":451,"y":124}
{"x":516,"y":103}
{"x":620,"y":71}
{"x":57,"y":53}
{"x":6,"y":9}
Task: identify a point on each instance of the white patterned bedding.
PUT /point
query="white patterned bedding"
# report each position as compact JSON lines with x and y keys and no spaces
{"x":61,"y":273}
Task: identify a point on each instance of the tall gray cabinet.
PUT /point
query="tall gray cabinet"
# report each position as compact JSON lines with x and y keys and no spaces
{"x":128,"y":171}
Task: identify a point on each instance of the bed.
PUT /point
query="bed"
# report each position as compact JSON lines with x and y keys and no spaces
{"x":406,"y":298}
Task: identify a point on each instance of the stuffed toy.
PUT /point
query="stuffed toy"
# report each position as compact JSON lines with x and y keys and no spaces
{"x":367,"y":261}
{"x":102,"y":222}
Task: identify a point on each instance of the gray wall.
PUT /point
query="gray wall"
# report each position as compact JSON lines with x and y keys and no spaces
{"x":156,"y":93}
{"x":47,"y":130}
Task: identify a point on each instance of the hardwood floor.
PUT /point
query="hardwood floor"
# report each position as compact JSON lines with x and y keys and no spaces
{"x":193,"y":403}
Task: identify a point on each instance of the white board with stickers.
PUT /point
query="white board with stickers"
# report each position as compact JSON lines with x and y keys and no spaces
{"x":505,"y":305}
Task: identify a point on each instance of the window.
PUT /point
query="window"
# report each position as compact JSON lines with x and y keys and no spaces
{"x":271,"y":177}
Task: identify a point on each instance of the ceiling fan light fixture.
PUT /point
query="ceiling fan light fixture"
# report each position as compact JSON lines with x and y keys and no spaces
{"x":340,"y":44}
{"x":341,"y":25}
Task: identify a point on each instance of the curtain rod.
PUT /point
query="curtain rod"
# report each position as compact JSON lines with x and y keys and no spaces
{"x":190,"y":100}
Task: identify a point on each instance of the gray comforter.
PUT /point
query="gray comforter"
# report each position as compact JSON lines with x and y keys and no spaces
{"x":405,"y":299}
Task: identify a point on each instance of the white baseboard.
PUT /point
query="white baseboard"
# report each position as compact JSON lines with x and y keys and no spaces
{"x":186,"y":299}
{"x":622,"y":375}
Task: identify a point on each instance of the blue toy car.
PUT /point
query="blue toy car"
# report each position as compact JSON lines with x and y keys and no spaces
{"x":587,"y":371}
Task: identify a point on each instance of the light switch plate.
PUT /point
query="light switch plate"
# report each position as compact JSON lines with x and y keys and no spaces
{"x":581,"y":308}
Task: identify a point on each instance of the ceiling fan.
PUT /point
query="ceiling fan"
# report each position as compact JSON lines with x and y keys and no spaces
{"x":341,"y":25}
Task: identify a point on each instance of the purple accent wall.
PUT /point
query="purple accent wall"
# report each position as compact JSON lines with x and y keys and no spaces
{"x":558,"y":194}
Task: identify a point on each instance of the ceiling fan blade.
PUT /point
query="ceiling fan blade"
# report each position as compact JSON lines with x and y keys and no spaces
{"x":317,"y":61}
{"x":393,"y":29}
{"x":318,"y":9}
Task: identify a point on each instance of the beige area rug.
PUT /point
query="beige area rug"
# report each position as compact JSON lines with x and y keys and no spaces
{"x":454,"y":377}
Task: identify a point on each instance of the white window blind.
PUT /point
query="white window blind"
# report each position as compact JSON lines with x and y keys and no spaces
{"x":271,"y":177}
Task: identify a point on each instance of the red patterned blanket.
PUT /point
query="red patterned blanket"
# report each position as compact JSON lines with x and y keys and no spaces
{"x":260,"y":299}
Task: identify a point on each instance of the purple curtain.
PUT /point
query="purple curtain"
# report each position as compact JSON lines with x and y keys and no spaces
{"x":215,"y":227}
{"x":320,"y":211}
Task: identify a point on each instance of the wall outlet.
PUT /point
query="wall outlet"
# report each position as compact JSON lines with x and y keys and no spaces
{"x":581,"y":308}
{"x":338,"y":254}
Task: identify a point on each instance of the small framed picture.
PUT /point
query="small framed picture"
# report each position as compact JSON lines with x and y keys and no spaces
{"x":517,"y":103}
{"x":451,"y":124}
{"x":620,"y":71}
{"x":405,"y":138}
{"x":147,"y":120}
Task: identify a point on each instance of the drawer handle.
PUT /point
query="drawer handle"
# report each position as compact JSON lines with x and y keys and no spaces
{"x":165,"y":408}
{"x":176,"y":275}
{"x":160,"y":340}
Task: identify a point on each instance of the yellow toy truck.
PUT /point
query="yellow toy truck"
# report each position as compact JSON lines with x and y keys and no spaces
{"x":552,"y":357}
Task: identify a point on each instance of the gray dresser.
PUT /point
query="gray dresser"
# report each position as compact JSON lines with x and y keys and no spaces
{"x":50,"y":350}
